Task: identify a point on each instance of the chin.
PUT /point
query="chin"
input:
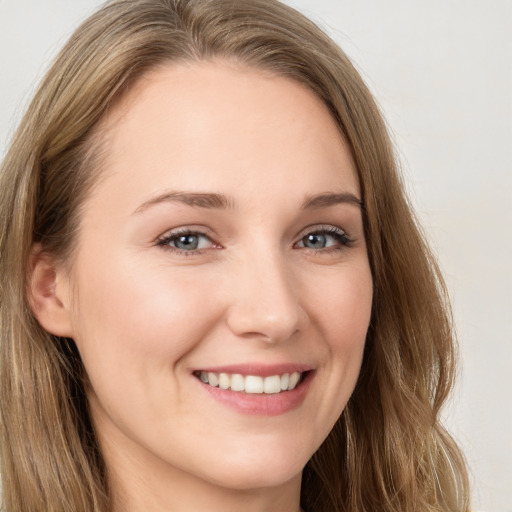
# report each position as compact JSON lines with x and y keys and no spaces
{"x":257,"y":478}
{"x":261,"y":469}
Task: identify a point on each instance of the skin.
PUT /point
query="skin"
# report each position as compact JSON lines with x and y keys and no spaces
{"x":145,"y":316}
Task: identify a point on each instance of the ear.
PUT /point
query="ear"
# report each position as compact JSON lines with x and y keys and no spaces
{"x":48,"y":293}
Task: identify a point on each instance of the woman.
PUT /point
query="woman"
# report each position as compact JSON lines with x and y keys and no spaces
{"x":215,"y":294}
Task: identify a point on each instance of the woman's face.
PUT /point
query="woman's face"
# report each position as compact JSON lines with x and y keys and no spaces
{"x":224,"y":242}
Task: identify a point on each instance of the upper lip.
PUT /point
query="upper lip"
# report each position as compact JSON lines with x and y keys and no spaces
{"x":263,"y":370}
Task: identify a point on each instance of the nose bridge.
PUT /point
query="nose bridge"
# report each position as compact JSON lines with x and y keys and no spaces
{"x":265,"y":301}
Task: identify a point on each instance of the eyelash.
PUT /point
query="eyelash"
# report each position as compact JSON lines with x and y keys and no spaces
{"x":341,"y":236}
{"x":343,"y":239}
{"x":165,"y":241}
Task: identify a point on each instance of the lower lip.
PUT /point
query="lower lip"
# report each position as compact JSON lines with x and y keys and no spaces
{"x":261,"y":404}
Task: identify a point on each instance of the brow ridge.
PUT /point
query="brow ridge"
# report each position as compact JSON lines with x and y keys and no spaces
{"x":195,"y":199}
{"x":220,"y":201}
{"x":326,"y":199}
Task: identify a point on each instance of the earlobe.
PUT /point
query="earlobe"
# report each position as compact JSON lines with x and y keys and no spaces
{"x":48,"y":293}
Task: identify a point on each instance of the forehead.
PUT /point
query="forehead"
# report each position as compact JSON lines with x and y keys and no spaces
{"x":218,"y":125}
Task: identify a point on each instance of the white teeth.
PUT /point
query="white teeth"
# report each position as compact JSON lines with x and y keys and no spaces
{"x":253,"y":384}
{"x":294,"y":379}
{"x":213,"y":379}
{"x":272,"y":384}
{"x":224,"y":381}
{"x":237,"y":382}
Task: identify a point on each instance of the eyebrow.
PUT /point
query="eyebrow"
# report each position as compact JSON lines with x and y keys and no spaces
{"x":222,"y":202}
{"x":197,"y":199}
{"x":329,"y":199}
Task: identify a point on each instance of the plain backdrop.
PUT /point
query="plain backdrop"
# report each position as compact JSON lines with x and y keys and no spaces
{"x":442,"y":73}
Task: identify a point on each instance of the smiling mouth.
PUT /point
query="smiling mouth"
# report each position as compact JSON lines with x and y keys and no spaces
{"x":252,"y":384}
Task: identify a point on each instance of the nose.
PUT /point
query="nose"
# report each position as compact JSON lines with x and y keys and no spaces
{"x":265,"y":301}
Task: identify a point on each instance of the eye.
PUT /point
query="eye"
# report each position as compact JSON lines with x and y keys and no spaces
{"x":186,"y":241}
{"x":330,"y":238}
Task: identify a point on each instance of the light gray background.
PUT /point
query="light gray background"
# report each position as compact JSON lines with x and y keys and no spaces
{"x":442,"y":72}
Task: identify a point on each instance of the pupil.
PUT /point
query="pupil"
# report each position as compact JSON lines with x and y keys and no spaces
{"x":187,"y":242}
{"x":315,"y":241}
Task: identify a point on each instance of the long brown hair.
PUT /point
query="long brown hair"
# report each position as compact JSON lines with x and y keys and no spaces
{"x":388,"y":451}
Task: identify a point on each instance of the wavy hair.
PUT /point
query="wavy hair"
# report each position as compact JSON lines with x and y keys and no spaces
{"x":388,"y":450}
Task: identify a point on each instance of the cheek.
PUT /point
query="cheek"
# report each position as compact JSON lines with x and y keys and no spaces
{"x":135,"y":328}
{"x":343,"y":310}
{"x":138,"y":320}
{"x":343,"y":305}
